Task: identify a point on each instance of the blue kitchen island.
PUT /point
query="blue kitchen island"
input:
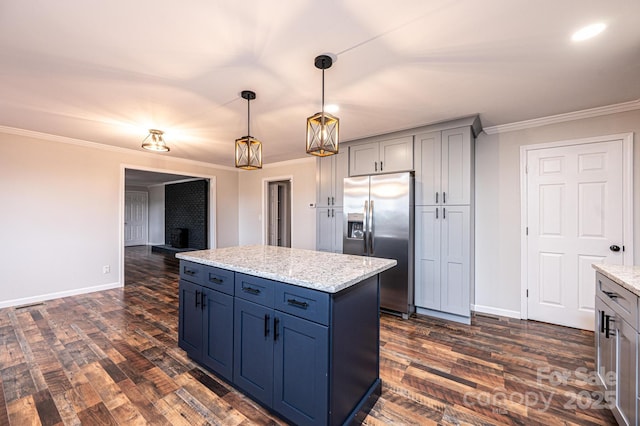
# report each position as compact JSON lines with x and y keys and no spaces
{"x":296,"y":330}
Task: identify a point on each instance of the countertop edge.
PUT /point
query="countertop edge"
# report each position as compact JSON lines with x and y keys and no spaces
{"x":620,"y":280}
{"x":286,"y":279}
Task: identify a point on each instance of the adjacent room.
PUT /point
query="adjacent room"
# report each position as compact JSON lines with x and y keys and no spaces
{"x":320,"y":214}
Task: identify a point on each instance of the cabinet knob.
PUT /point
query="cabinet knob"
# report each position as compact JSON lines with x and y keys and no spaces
{"x":614,"y":248}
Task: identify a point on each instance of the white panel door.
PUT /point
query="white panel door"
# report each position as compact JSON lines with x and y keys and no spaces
{"x":135,"y":218}
{"x":456,"y":251}
{"x":574,"y":215}
{"x":427,"y":253}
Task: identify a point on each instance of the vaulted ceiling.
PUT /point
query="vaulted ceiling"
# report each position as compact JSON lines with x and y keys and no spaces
{"x":107,"y":71}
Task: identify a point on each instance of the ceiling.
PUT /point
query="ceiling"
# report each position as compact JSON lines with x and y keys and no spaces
{"x":106,"y":72}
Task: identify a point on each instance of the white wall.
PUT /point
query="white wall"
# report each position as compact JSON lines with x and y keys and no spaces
{"x":303,"y":192}
{"x":60,"y":204}
{"x":156,"y":215}
{"x":498,"y":201}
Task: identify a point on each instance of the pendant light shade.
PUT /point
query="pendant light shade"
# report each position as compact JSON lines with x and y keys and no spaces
{"x":155,"y":142}
{"x":248,"y":149}
{"x":322,"y":127}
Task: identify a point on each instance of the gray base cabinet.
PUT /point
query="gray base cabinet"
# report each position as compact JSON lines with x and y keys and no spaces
{"x":311,"y":357}
{"x":617,"y":348}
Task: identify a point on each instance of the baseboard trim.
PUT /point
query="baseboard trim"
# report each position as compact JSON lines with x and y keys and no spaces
{"x":496,"y":311}
{"x":57,"y":295}
{"x":443,"y":315}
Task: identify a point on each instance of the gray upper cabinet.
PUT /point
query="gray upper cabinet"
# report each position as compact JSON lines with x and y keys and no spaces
{"x":331,"y":172}
{"x":444,"y":170}
{"x":386,"y":156}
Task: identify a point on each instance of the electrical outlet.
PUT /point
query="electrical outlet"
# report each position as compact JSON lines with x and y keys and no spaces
{"x":106,"y":269}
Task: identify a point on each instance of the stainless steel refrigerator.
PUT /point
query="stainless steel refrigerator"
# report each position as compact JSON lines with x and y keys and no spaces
{"x":378,"y":221}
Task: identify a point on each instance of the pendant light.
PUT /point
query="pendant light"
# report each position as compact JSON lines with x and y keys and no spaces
{"x":322,"y":127}
{"x":156,"y":143}
{"x":248,"y":149}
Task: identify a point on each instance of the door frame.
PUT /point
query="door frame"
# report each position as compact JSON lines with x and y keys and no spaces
{"x":265,"y":205}
{"x":627,"y":202}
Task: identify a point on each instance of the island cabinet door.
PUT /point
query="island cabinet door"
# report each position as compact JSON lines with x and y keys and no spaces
{"x":301,"y":365}
{"x":253,"y":350}
{"x":218,"y":332}
{"x":190,"y":333}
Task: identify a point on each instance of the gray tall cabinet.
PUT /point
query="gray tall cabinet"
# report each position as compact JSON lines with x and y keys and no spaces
{"x":444,"y":223}
{"x":442,"y":157}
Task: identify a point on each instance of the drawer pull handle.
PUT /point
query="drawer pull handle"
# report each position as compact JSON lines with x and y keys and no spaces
{"x":251,"y":290}
{"x":197,"y":297}
{"x":297,"y":303}
{"x":216,"y":280}
{"x":189,"y":271}
{"x":601,"y":321}
{"x":611,"y":294}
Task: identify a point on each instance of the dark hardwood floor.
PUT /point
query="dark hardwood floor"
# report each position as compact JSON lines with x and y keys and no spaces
{"x":111,"y":357}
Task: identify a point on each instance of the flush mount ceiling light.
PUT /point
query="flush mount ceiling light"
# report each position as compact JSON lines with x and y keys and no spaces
{"x":248,"y":149}
{"x":588,"y":32}
{"x":155,"y":142}
{"x":322,"y":127}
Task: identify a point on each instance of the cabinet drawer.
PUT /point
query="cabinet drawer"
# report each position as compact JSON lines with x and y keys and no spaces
{"x":619,"y":298}
{"x":218,"y":279}
{"x":303,"y":302}
{"x":191,"y":271}
{"x":255,"y":289}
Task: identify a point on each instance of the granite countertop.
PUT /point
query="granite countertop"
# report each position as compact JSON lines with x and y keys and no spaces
{"x":627,"y":276}
{"x":327,"y":272}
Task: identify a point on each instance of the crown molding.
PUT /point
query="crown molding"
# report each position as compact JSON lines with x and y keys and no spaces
{"x":561,"y":118}
{"x":104,"y":147}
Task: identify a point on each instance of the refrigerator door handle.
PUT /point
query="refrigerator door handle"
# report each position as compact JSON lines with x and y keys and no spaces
{"x":366,"y":227}
{"x":372,"y":229}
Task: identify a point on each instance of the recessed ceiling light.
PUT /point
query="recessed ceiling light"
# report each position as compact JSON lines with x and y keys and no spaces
{"x":588,"y":32}
{"x":331,"y":108}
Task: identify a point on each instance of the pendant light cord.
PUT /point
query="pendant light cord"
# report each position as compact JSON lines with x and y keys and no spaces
{"x":322,"y":120}
{"x":248,"y":117}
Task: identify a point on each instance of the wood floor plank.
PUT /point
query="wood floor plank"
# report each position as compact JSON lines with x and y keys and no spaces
{"x":46,"y":407}
{"x":4,"y":416}
{"x":23,"y":412}
{"x":111,"y":357}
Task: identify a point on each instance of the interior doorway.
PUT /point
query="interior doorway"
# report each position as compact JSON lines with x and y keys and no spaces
{"x":279,"y":213}
{"x":153,"y":183}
